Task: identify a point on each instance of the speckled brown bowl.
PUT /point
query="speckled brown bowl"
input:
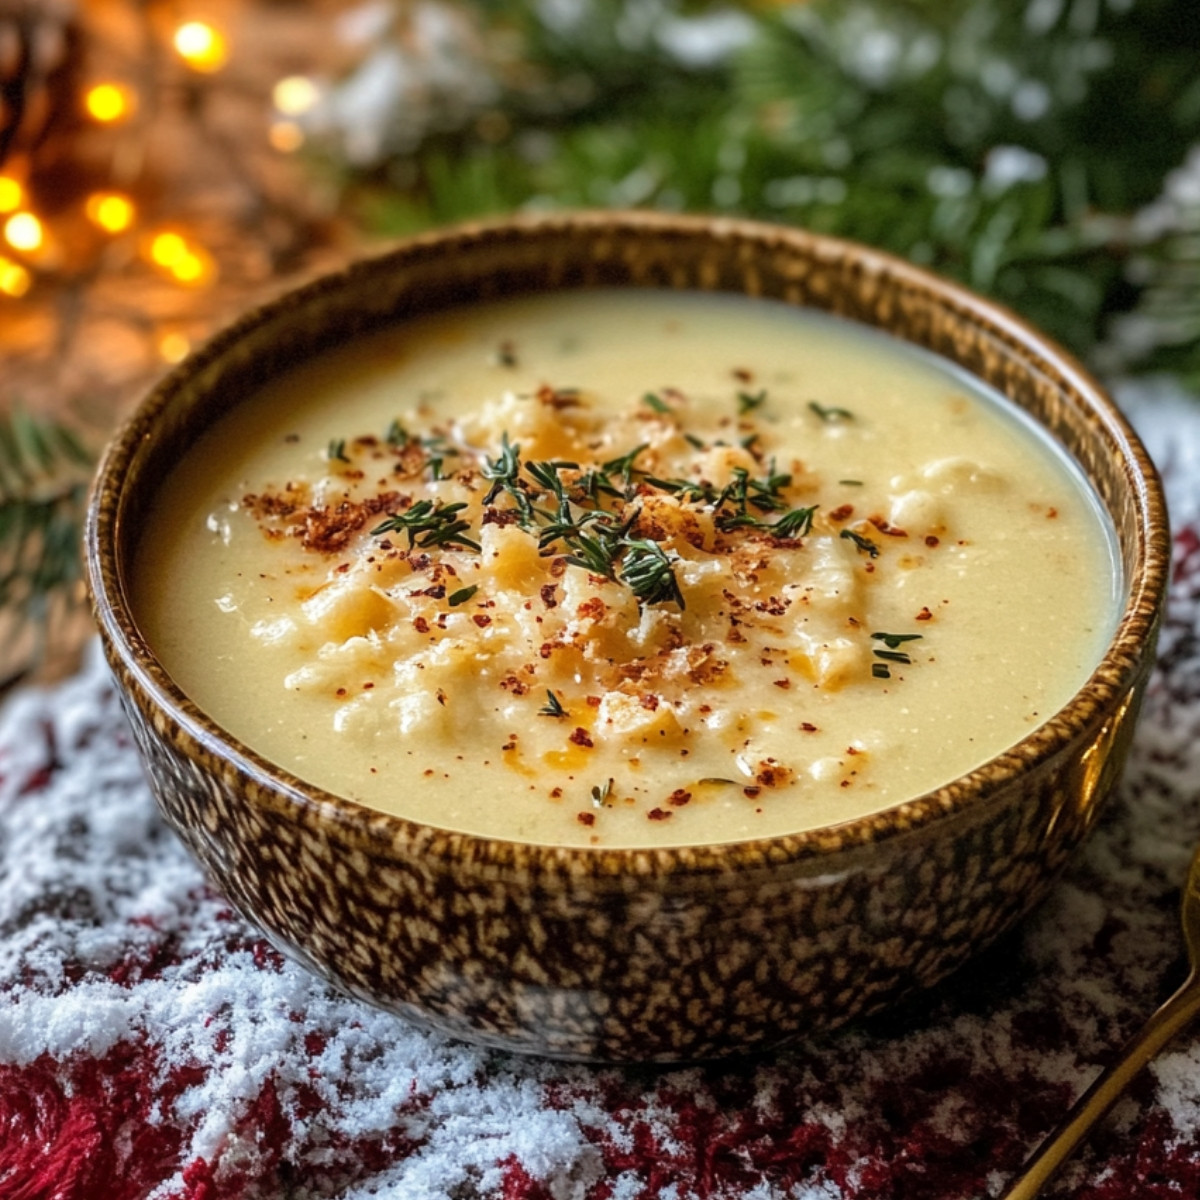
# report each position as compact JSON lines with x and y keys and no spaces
{"x":634,"y":954}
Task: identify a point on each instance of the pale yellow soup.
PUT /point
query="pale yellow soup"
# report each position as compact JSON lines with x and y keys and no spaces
{"x":625,"y":569}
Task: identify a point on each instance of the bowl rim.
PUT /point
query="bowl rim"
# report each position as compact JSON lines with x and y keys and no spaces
{"x":1126,"y":660}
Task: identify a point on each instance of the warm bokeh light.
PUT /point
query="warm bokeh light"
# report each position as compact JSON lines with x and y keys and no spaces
{"x":111,"y":211}
{"x":12,"y":194}
{"x":286,"y":136}
{"x":14,"y":278}
{"x":173,"y":347}
{"x":295,"y":95}
{"x":201,"y":46}
{"x":23,"y":231}
{"x":108,"y":102}
{"x":167,"y":249}
{"x":185,"y":262}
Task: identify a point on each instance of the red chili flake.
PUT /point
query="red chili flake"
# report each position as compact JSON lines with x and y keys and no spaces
{"x":341,"y":691}
{"x":593,"y":701}
{"x":428,"y":771}
{"x":556,"y":793}
{"x":842,"y":512}
{"x":420,"y":624}
{"x":807,"y":727}
{"x":342,"y":568}
{"x":584,"y":818}
{"x":649,"y":701}
{"x":593,"y":608}
{"x":557,"y":567}
{"x":1051,"y":513}
{"x":845,"y":783}
{"x":783,"y":683}
{"x":679,"y":797}
{"x":924,"y":615}
{"x":932,"y":541}
{"x":441,"y":697}
{"x":547,"y":593}
{"x":751,"y":791}
{"x":580,"y":737}
{"x":705,"y":708}
{"x":510,"y":744}
{"x":659,"y":814}
{"x":482,"y":620}
{"x":498,"y":516}
{"x":742,"y":375}
{"x":367,"y":687}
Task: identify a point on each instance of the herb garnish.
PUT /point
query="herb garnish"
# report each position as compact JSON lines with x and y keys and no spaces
{"x":397,"y":436}
{"x":882,"y":669}
{"x":831,"y":413}
{"x":336,"y":450}
{"x":648,"y":572}
{"x":430,"y":523}
{"x":747,"y":403}
{"x":553,"y":706}
{"x":656,"y":403}
{"x":863,"y":543}
{"x":463,"y":595}
{"x":601,"y":792}
{"x":893,"y":640}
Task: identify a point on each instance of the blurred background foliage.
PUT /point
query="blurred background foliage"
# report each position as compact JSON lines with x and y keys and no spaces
{"x":1037,"y":151}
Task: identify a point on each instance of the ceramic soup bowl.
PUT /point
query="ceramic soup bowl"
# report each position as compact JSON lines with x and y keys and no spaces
{"x":664,"y":954}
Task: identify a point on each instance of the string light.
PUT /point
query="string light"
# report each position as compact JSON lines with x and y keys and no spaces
{"x":14,"y":278}
{"x":201,"y":46}
{"x":184,"y":261}
{"x":173,"y":346}
{"x":108,"y":102}
{"x":110,"y":211}
{"x":285,"y":136}
{"x":295,"y":95}
{"x":12,"y":194}
{"x":23,"y":231}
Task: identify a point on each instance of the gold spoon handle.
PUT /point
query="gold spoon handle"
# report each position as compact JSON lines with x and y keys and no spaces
{"x":1173,"y":1016}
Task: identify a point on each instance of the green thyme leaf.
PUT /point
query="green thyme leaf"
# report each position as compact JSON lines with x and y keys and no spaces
{"x":648,"y":572}
{"x":832,"y":413}
{"x":894,"y":640}
{"x":336,"y":450}
{"x":463,"y":595}
{"x":863,"y":543}
{"x":747,"y":403}
{"x":429,"y":523}
{"x":553,"y":706}
{"x":656,"y":403}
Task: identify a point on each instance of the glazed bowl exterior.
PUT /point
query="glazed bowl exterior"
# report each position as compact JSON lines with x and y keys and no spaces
{"x":626,"y":954}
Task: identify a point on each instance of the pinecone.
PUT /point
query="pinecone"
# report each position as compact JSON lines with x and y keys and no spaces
{"x":39,"y":56}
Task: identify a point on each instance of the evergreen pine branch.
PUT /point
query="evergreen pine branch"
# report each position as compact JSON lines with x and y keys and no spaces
{"x":44,"y":470}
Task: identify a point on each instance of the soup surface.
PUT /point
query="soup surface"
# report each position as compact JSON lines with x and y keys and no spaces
{"x":626,"y":568}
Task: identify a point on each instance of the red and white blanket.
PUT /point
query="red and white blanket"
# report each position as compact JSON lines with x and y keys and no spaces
{"x":152,"y":1046}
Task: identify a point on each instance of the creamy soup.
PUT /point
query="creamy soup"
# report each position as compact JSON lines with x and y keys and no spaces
{"x":627,"y":568}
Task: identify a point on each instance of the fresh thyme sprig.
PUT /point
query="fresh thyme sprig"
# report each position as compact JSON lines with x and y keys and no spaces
{"x":430,"y":523}
{"x":648,"y":571}
{"x":883,"y":668}
{"x":832,"y":413}
{"x":656,"y":404}
{"x":863,"y":543}
{"x":336,"y":450}
{"x":553,"y":706}
{"x":748,"y":402}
